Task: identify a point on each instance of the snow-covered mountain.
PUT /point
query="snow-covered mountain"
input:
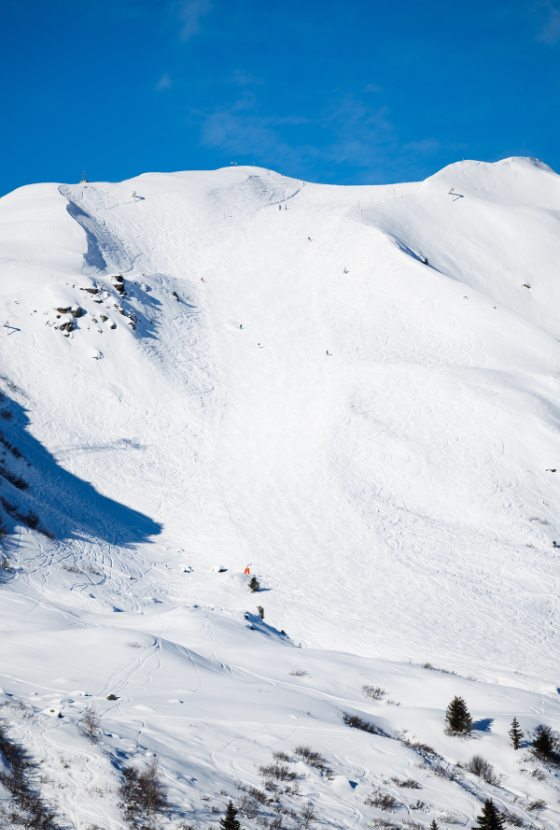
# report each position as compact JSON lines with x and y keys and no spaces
{"x":353,"y":391}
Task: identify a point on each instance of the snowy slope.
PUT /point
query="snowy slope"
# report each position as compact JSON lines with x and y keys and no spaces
{"x":395,"y":497}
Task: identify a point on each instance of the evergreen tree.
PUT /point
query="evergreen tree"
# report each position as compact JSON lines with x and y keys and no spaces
{"x":229,"y":822}
{"x":260,"y":611}
{"x":543,"y":743}
{"x":516,"y":734}
{"x":490,"y":818}
{"x":254,"y":585}
{"x":457,"y":716}
{"x":433,"y":825}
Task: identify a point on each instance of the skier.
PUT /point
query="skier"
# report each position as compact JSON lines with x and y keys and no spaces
{"x":309,"y":238}
{"x":279,"y":207}
{"x":241,"y":325}
{"x":327,"y":352}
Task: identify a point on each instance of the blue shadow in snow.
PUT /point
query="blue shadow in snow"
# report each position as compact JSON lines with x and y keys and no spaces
{"x":63,"y":504}
{"x":483,"y":725}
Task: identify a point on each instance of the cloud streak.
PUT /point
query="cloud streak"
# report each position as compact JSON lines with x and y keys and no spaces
{"x":190,"y":14}
{"x":351,"y":134}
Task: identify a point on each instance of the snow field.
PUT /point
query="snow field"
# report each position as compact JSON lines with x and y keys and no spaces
{"x":395,"y":498}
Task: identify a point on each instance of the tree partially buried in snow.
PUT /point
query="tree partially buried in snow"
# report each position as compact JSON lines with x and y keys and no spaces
{"x":229,"y":821}
{"x":543,"y":743}
{"x":254,"y":585}
{"x":457,"y":716}
{"x":490,"y":818}
{"x":516,"y":734}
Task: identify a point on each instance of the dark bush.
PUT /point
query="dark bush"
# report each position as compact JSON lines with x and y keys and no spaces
{"x":543,"y":743}
{"x":278,"y":771}
{"x":254,"y":585}
{"x":490,"y":818}
{"x":357,"y":723}
{"x":459,"y":721}
{"x":408,"y":783}
{"x":516,"y":734}
{"x":382,"y":800}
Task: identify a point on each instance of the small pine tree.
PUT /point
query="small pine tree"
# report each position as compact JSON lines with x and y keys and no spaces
{"x":260,"y":611}
{"x":543,"y":743}
{"x":490,"y":818}
{"x":516,"y":734}
{"x":229,"y":822}
{"x":254,"y":585}
{"x":433,"y":825}
{"x":457,"y":716}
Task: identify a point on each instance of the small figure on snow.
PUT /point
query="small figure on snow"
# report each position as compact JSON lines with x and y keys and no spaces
{"x":309,"y":238}
{"x":327,"y":352}
{"x":279,"y":207}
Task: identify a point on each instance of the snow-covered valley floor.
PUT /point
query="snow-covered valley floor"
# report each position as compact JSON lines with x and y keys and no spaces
{"x":235,"y":369}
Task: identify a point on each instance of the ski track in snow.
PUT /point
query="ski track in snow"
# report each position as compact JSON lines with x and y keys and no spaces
{"x":394,"y":497}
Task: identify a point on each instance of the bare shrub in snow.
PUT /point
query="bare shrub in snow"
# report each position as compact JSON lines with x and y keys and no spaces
{"x":89,"y":724}
{"x":132,"y":644}
{"x":282,"y":756}
{"x":299,"y":673}
{"x":255,"y":793}
{"x":142,"y":794}
{"x":34,"y":812}
{"x":449,"y":818}
{"x":278,"y":771}
{"x":72,"y":569}
{"x":381,"y":800}
{"x":484,"y":769}
{"x":308,"y":815}
{"x":539,"y":804}
{"x":423,"y":749}
{"x":408,"y":783}
{"x":313,"y":759}
{"x":385,"y":824}
{"x":248,"y":806}
{"x":356,"y":722}
{"x":373,"y":692}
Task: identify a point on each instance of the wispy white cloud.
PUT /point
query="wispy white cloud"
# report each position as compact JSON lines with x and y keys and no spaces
{"x":242,"y":78}
{"x":373,"y":88}
{"x":353,"y":135}
{"x":550,"y":32}
{"x":190,"y":13}
{"x":165,"y":82}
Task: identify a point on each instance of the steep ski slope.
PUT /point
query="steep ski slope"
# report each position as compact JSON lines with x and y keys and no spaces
{"x":394,"y":495}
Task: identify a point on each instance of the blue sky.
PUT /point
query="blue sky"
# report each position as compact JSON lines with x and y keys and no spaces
{"x":344,"y":92}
